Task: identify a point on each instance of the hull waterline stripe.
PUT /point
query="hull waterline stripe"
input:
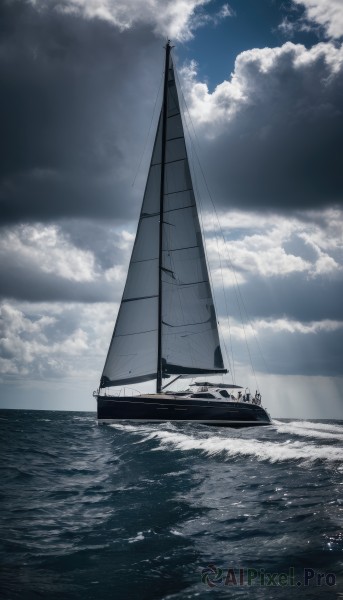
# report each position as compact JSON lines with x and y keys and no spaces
{"x":104,"y":421}
{"x":211,"y":402}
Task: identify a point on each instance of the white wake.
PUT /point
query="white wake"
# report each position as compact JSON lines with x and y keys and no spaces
{"x":231,"y":447}
{"x":308,"y":429}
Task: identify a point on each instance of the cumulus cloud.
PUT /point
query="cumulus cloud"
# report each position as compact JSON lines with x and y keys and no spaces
{"x":71,"y":262}
{"x":169,"y":18}
{"x":51,"y":341}
{"x":271,"y":134}
{"x":261,"y":254}
{"x":43,"y":247}
{"x":271,"y":246}
{"x":271,"y":269}
{"x":327,"y":13}
{"x":286,"y":325}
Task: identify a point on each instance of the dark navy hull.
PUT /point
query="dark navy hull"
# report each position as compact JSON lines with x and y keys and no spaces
{"x":168,"y":408}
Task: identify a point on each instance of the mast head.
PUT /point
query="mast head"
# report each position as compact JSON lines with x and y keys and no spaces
{"x":168,"y":45}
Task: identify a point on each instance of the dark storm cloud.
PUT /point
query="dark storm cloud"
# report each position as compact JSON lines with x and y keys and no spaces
{"x":303,"y":354}
{"x":72,"y":94}
{"x":275,"y":130}
{"x":292,"y":353}
{"x":295,"y":297}
{"x":299,"y":354}
{"x":100,"y":239}
{"x":22,"y":282}
{"x":75,"y":95}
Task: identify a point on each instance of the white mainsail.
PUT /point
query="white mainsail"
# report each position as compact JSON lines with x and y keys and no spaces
{"x":171,"y":281}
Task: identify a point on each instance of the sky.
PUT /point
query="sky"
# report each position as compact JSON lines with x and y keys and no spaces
{"x":262,"y":94}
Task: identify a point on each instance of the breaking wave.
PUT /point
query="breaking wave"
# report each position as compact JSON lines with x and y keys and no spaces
{"x":230,"y":446}
{"x":315,"y":425}
{"x":308,"y":429}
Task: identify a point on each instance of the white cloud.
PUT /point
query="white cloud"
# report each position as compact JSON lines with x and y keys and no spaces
{"x":54,"y":340}
{"x":205,"y":18}
{"x":226,"y":11}
{"x":264,"y":255}
{"x":327,"y":13}
{"x":258,"y":76}
{"x":287,"y":27}
{"x":275,"y":327}
{"x":270,"y":134}
{"x":324,"y":263}
{"x":175,"y":19}
{"x":280,"y":325}
{"x":207,"y":108}
{"x":259,"y":244}
{"x":49,"y":250}
{"x":43,"y":247}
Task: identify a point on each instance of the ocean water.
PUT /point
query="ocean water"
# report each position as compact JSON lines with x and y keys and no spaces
{"x":165,"y":511}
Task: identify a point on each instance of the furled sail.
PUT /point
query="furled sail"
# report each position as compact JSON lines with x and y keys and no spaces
{"x":189,"y":336}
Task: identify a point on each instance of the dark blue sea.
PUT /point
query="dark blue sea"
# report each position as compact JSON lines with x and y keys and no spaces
{"x":169,"y":512}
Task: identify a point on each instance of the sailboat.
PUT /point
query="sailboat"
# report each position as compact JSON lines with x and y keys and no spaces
{"x":166,"y":325}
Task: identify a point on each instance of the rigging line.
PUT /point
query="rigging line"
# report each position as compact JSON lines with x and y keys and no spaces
{"x":148,"y":136}
{"x":253,"y":331}
{"x":231,"y":363}
{"x":238,"y":294}
{"x":240,"y":299}
{"x":215,"y":211}
{"x":240,"y":302}
{"x":198,"y":194}
{"x":227,"y":311}
{"x":194,"y":149}
{"x":168,"y":239}
{"x":201,"y":224}
{"x":186,"y":105}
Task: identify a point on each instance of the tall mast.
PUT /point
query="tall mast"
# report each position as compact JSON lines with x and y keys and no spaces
{"x":163,"y":156}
